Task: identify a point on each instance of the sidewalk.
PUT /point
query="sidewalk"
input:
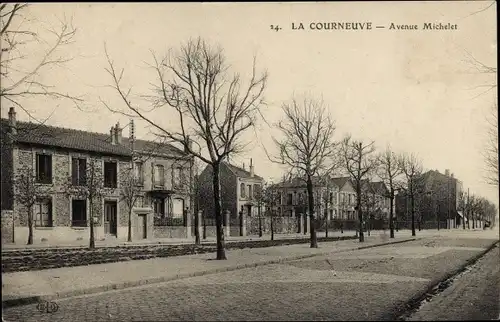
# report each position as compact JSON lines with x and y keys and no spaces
{"x":169,"y":241}
{"x":28,"y":287}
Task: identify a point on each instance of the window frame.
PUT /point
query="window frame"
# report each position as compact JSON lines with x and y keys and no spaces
{"x":114,"y":184}
{"x":38,"y":214}
{"x":73,"y":220}
{"x":45,"y":178}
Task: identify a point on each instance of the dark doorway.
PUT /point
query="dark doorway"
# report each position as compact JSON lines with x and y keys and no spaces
{"x":110,"y":222}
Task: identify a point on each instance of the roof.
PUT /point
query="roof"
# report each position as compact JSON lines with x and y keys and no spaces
{"x":41,"y":134}
{"x":341,"y":181}
{"x":316,"y":180}
{"x":239,"y":172}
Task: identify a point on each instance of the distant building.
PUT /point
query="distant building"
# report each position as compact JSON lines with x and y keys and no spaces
{"x":239,"y":190}
{"x":437,"y":197}
{"x":59,"y":158}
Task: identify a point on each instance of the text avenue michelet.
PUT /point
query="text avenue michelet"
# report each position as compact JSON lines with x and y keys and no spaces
{"x":371,"y":26}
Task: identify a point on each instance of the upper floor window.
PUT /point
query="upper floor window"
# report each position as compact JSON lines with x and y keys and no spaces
{"x":250,"y":191}
{"x":256,"y":191}
{"x":289,"y":199}
{"x":139,"y":173}
{"x":332,"y":200}
{"x":110,"y":174}
{"x":242,"y":190}
{"x":78,"y":171}
{"x":177,"y":178}
{"x":43,"y":168}
{"x":159,"y":175}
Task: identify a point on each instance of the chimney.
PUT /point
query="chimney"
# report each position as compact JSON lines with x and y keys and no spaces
{"x":244,"y":166}
{"x":118,"y":133}
{"x":447,"y":172}
{"x":112,"y":134}
{"x":132,"y":135}
{"x":12,"y":121}
{"x":251,"y":168}
{"x":452,"y":175}
{"x":189,"y":144}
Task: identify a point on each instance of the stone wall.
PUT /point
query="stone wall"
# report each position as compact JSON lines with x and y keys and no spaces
{"x":7,"y":232}
{"x":169,"y":232}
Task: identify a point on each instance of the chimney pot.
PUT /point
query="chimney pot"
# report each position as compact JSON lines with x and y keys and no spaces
{"x":244,"y":166}
{"x":112,"y":134}
{"x":251,"y":168}
{"x":12,"y":120}
{"x":447,"y":172}
{"x":118,"y":134}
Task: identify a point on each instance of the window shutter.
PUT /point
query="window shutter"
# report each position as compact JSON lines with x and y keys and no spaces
{"x":83,"y":171}
{"x":49,"y":168}
{"x":74,"y":171}
{"x":37,"y":157}
{"x":49,"y":213}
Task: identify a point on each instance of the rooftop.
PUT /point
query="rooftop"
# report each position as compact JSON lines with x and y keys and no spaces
{"x":47,"y":135}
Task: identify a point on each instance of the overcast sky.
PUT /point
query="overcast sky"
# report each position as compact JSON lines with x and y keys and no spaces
{"x":412,"y":89}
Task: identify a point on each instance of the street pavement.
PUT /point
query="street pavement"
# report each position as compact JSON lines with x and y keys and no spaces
{"x":366,"y":284}
{"x":474,"y":295}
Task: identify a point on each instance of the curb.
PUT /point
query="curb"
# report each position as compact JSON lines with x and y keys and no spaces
{"x":162,"y":279}
{"x":403,"y":310}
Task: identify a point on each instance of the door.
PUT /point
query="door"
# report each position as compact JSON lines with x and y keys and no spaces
{"x":142,"y":226}
{"x":110,"y":222}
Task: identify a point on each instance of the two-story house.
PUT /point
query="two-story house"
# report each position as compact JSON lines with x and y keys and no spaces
{"x":64,"y":161}
{"x":375,"y":199}
{"x":346,"y":198}
{"x":239,"y":190}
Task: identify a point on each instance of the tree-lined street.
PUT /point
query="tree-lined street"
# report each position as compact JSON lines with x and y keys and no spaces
{"x":368,"y":284}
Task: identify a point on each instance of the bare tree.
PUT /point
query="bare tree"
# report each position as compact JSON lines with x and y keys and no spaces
{"x":491,"y":150}
{"x":130,"y":192}
{"x":389,"y":171}
{"x":411,"y":167}
{"x":368,"y":201}
{"x":21,"y":80}
{"x":306,"y":146}
{"x":212,"y":107}
{"x":91,"y":187}
{"x":26,"y":192}
{"x":359,"y":162}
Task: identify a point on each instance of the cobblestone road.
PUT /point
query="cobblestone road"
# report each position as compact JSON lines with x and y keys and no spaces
{"x":357,"y":285}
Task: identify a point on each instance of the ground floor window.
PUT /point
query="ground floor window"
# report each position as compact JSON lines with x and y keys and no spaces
{"x":79,"y":213}
{"x":43,"y":213}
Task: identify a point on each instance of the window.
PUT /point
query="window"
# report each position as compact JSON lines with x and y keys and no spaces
{"x":177,"y":178}
{"x":242,"y":190}
{"x":159,"y":175}
{"x":138,"y":173}
{"x":250,"y":191}
{"x":43,"y":213}
{"x":78,"y":171}
{"x":110,"y":174}
{"x":256,"y":191}
{"x":332,"y":200}
{"x":177,"y":208}
{"x":289,"y":199}
{"x":139,"y":202}
{"x":159,"y":207}
{"x":44,"y":168}
{"x":301,"y":198}
{"x":79,"y":209}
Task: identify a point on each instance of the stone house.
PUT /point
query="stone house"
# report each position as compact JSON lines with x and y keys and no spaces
{"x":61,"y":160}
{"x":239,"y":190}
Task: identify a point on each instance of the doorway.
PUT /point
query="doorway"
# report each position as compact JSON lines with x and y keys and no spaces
{"x":110,"y":220}
{"x":142,"y":226}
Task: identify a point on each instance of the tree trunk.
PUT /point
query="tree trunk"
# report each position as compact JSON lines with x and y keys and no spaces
{"x":312,"y":226}
{"x":360,"y":212}
{"x":221,"y":252}
{"x":272,"y":225}
{"x":197,"y":240}
{"x":412,"y":206}
{"x":30,"y":226}
{"x":92,"y":239}
{"x":391,"y":215}
{"x":473,"y":221}
{"x":204,"y":225}
{"x":260,"y":220}
{"x":129,"y":238}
